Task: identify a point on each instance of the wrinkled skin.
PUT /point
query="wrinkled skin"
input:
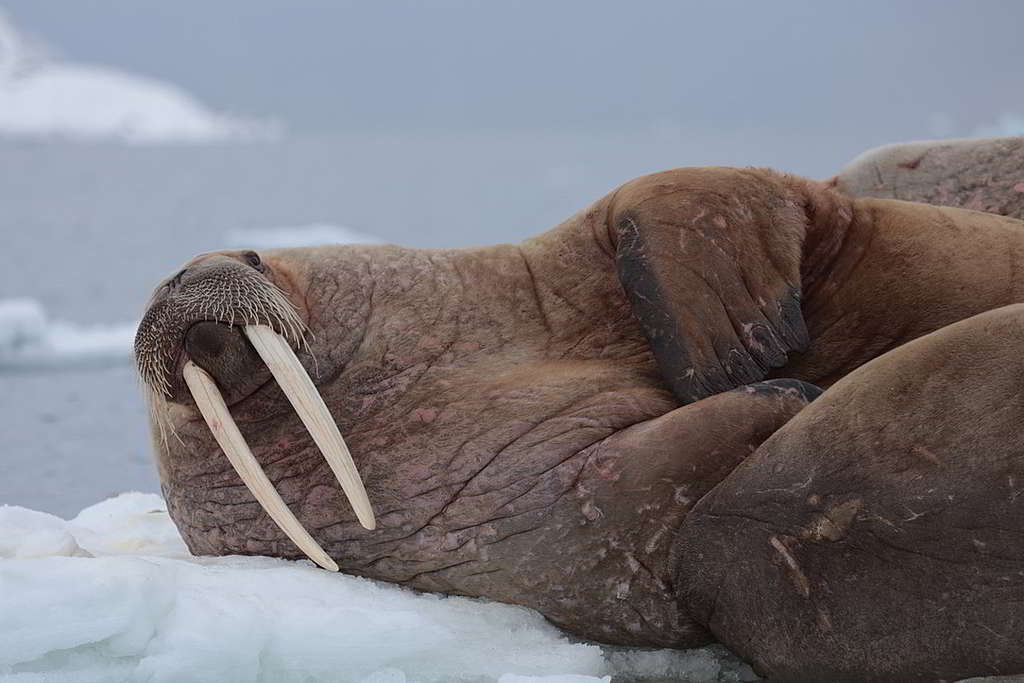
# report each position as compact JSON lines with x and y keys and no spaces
{"x":878,"y":534}
{"x":980,"y":174}
{"x":535,"y":422}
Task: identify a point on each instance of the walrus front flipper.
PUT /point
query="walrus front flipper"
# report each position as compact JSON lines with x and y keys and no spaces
{"x":710,"y":259}
{"x":879,"y":535}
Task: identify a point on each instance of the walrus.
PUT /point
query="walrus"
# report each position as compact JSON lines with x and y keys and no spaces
{"x":879,"y":530}
{"x":541,"y":423}
{"x":983,"y":174}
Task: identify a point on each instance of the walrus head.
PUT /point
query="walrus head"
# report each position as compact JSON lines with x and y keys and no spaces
{"x":201,"y":306}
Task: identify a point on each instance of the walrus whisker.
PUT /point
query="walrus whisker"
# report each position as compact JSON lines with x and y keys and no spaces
{"x":313,"y":412}
{"x":213,"y":409}
{"x":155,"y":401}
{"x":251,"y":301}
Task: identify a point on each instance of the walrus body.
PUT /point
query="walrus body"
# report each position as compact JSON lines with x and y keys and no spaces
{"x":877,"y":535}
{"x":977,"y":174}
{"x":536,"y":423}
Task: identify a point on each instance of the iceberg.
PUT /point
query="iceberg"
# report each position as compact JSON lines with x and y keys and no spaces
{"x":44,"y":98}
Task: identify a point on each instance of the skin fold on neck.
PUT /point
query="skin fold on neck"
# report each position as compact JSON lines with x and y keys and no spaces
{"x":871,"y":282}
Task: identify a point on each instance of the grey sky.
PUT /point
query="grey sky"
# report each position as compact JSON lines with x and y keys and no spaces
{"x":877,"y":71}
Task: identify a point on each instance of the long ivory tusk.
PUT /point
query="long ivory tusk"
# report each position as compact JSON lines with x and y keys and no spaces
{"x":313,"y":412}
{"x":225,"y":431}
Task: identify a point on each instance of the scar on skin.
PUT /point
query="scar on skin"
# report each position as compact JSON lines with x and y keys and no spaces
{"x":803,"y":586}
{"x":922,"y":452}
{"x":824,"y":621}
{"x":833,"y":523}
{"x":424,"y":415}
{"x":912,"y":163}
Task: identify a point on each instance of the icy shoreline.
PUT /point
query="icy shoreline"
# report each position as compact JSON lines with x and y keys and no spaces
{"x":113,"y":595}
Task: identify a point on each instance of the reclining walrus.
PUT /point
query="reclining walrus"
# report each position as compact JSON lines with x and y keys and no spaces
{"x":542,"y":423}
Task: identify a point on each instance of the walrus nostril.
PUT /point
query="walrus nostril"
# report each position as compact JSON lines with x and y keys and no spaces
{"x":208,"y":340}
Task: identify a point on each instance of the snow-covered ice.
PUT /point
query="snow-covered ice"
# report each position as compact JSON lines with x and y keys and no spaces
{"x":297,"y":236}
{"x":41,"y":97}
{"x":29,"y":340}
{"x":113,"y":595}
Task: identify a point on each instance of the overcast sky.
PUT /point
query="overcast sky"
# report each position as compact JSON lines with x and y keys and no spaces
{"x":879,"y":71}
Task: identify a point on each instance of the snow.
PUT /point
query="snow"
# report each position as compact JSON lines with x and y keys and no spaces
{"x":41,"y":98}
{"x":29,"y":340}
{"x":28,"y":534}
{"x":113,"y":595}
{"x":297,"y":236}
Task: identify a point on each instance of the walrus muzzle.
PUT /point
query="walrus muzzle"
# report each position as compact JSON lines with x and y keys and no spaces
{"x":226,"y":291}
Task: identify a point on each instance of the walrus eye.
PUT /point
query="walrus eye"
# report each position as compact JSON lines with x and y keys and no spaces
{"x":253,"y":259}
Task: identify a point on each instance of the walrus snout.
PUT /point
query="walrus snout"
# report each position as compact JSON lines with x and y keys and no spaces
{"x":208,"y":340}
{"x":229,"y":288}
{"x":225,"y":353}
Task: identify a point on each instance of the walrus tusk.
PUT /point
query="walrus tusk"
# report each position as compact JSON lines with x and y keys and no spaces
{"x":225,"y":431}
{"x":312,"y":410}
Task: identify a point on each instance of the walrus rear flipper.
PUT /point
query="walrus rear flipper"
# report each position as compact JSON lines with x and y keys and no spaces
{"x":878,"y":535}
{"x":710,"y":259}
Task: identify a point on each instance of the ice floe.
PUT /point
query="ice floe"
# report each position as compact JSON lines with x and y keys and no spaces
{"x":29,"y":340}
{"x":113,"y":595}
